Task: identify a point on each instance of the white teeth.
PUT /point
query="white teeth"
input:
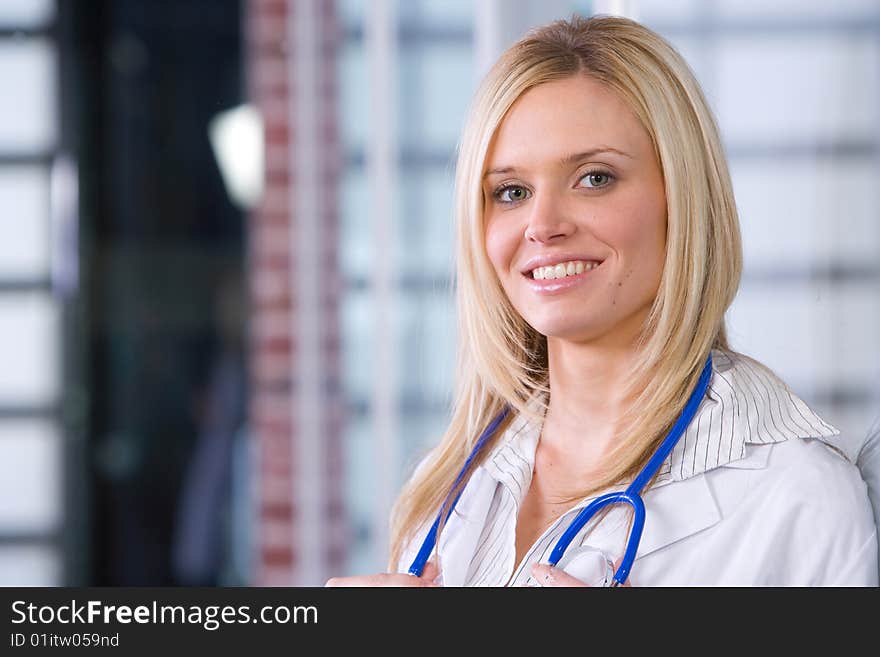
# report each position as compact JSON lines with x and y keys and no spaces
{"x":563,"y":269}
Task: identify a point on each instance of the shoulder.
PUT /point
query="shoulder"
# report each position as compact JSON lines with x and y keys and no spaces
{"x":811,"y":469}
{"x":815,"y":502}
{"x":797,"y":474}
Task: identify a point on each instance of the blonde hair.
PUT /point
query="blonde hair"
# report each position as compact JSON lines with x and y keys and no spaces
{"x":501,"y":360}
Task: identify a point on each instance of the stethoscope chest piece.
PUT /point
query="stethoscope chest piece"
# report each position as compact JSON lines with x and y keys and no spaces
{"x":588,"y":564}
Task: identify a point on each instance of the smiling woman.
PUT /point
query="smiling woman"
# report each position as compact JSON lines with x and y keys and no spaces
{"x":598,"y":251}
{"x":548,"y":210}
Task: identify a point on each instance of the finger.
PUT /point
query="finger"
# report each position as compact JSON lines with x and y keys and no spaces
{"x":431,"y":573}
{"x":547,"y":575}
{"x":380,"y":580}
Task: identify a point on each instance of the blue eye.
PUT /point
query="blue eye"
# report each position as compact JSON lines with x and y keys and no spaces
{"x":592,"y":176}
{"x":510,"y":194}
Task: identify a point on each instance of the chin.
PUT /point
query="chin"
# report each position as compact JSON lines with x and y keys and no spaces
{"x":569,"y":331}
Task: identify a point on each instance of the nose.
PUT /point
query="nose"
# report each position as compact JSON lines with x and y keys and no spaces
{"x":548,"y":220}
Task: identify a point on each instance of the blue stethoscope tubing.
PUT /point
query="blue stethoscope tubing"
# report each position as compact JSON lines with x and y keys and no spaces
{"x":631,"y":496}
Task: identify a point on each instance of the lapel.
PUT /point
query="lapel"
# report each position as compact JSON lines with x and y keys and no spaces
{"x":680,"y":509}
{"x":459,"y":539}
{"x":675,"y":511}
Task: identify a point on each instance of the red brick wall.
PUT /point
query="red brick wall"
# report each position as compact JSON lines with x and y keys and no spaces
{"x":273,"y":345}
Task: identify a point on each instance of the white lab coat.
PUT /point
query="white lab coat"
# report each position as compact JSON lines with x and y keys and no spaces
{"x":753,"y":495}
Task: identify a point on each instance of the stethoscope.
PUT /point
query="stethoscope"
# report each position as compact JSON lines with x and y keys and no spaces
{"x":631,"y":496}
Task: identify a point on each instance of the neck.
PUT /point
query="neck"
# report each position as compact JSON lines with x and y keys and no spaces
{"x":587,"y":397}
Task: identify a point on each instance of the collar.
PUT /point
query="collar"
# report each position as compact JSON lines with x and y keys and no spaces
{"x":745,"y":404}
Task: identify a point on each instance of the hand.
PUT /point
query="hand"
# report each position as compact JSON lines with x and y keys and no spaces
{"x":429,"y":574}
{"x":547,"y":575}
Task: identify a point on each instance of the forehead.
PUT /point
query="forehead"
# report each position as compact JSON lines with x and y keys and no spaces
{"x":558,"y":117}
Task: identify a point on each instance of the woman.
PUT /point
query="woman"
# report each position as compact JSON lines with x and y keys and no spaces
{"x":598,"y":250}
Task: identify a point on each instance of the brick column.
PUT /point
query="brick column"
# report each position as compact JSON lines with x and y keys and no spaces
{"x":287,"y":451}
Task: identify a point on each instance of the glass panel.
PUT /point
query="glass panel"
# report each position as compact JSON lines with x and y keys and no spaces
{"x":358,"y":328}
{"x":29,"y":565}
{"x":438,"y":13}
{"x":356,"y":215}
{"x":28,"y":102}
{"x":782,"y":327}
{"x":354,"y":95}
{"x":796,"y":10}
{"x":816,"y":336}
{"x":436,"y":83}
{"x":426,"y":338}
{"x":30,"y":476}
{"x":811,"y":332}
{"x":350,"y":12}
{"x":854,"y":421}
{"x":811,"y":89}
{"x":698,"y":54}
{"x":822,"y":210}
{"x":667,"y":11}
{"x":360,"y":494}
{"x":419,"y":433}
{"x":425,"y":226}
{"x":28,"y":349}
{"x":26,"y":13}
{"x":24,"y":222}
{"x":852,"y":313}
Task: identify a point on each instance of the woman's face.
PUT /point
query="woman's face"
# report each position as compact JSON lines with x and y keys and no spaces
{"x":575,"y":212}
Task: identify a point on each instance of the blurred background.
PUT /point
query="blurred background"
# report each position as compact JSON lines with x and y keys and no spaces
{"x":226,"y":322}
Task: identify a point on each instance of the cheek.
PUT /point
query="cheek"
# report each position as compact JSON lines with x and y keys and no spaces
{"x":649,"y":243}
{"x":654,"y":236}
{"x":500,"y":245}
{"x":639,"y":237}
{"x":642,"y":232}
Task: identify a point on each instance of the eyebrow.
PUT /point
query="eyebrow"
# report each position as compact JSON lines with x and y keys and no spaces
{"x":568,"y":159}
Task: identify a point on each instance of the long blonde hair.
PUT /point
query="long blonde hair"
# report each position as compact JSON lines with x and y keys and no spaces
{"x":501,"y":360}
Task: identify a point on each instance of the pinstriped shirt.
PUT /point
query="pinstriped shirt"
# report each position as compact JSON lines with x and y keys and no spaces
{"x":745,"y":409}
